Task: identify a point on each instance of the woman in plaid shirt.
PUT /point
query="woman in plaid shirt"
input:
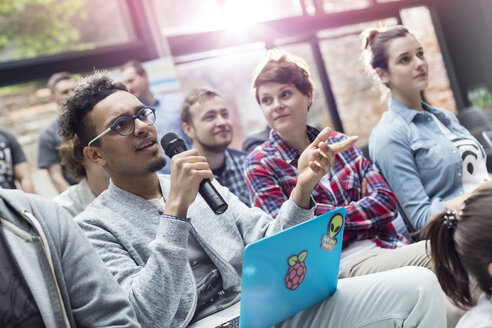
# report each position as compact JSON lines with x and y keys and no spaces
{"x":284,"y":92}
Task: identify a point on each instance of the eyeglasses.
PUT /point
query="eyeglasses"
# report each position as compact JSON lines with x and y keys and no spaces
{"x":125,"y":125}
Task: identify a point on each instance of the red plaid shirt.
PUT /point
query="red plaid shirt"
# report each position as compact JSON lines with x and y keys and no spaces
{"x":271,"y":175}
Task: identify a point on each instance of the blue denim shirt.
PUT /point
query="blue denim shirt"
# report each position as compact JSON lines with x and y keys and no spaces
{"x":421,"y":165}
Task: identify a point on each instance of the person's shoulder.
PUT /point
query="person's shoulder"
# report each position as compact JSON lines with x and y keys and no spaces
{"x":259,"y":153}
{"x":46,"y":211}
{"x":478,"y":316}
{"x":255,"y":139}
{"x":390,"y":120}
{"x":96,"y":211}
{"x":237,"y":153}
{"x":390,"y":125}
{"x":50,"y":131}
{"x":6,"y":134}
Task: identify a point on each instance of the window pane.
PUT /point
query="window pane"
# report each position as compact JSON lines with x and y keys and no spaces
{"x":195,"y":16}
{"x":418,"y":21}
{"x":254,"y":11}
{"x":333,"y":6}
{"x":45,"y":27}
{"x":101,"y":31}
{"x":188,"y":16}
{"x":229,"y":74}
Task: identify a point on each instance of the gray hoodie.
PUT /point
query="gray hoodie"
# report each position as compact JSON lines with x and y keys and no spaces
{"x":68,"y":281}
{"x":148,"y":254}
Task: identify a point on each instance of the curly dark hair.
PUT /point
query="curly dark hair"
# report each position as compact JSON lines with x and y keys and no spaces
{"x":89,"y":91}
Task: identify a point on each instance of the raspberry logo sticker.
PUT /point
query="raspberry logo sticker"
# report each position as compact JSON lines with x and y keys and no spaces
{"x":328,"y":242}
{"x":297,"y":270}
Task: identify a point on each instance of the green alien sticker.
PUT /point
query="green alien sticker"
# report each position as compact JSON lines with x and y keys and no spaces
{"x":329,"y":241}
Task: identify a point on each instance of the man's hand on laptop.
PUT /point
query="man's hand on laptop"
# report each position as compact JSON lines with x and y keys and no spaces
{"x":188,"y":169}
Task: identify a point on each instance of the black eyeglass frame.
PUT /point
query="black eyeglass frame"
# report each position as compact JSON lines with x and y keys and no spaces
{"x":132,"y":118}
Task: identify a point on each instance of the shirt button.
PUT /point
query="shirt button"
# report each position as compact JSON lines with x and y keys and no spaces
{"x":459,"y":174}
{"x":428,"y":119}
{"x":454,"y":151}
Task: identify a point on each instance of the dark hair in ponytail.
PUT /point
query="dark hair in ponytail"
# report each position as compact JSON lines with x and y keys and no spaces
{"x":446,"y":261}
{"x":461,"y":247}
{"x":375,"y":41}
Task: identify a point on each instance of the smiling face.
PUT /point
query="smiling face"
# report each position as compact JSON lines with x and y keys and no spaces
{"x":124,"y":156}
{"x":407,"y":72}
{"x":137,"y":84}
{"x":284,"y":107}
{"x":210,"y":126}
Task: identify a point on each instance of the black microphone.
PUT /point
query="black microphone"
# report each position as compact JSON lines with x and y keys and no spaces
{"x":172,"y":145}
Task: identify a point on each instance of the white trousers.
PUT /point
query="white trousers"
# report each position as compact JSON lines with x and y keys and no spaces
{"x":404,"y":297}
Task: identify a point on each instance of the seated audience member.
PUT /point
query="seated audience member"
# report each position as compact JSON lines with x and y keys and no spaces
{"x":207,"y":122}
{"x":256,"y":139}
{"x":461,"y":250}
{"x":284,"y":91}
{"x":93,"y":178}
{"x":50,"y":275}
{"x":134,"y":76}
{"x":177,"y":260}
{"x":13,"y":164}
{"x":429,"y":160}
{"x":61,"y":86}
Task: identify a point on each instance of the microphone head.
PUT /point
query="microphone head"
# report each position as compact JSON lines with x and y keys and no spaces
{"x":172,"y":144}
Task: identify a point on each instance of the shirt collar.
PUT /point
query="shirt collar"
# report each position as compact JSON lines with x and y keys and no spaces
{"x":409,"y":114}
{"x":286,"y":151}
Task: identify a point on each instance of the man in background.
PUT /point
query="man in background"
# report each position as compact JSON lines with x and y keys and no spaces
{"x":207,"y":122}
{"x":134,"y":76}
{"x":61,"y":86}
{"x":93,"y":178}
{"x":13,"y":164}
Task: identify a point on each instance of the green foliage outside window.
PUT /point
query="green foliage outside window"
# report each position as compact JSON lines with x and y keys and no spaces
{"x":31,"y":28}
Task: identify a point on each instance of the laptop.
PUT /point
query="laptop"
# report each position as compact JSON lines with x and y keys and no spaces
{"x":286,"y":273}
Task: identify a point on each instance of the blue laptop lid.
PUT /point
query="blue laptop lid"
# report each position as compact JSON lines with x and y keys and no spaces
{"x":291,"y":270}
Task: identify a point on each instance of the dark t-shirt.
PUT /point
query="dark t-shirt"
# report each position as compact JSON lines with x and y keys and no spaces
{"x":17,"y":305}
{"x":10,"y":154}
{"x":49,"y":141}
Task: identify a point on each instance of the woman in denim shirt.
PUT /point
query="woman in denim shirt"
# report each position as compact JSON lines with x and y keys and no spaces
{"x":429,"y":160}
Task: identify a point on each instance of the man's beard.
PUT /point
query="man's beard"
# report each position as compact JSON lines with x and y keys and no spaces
{"x":156,"y":165}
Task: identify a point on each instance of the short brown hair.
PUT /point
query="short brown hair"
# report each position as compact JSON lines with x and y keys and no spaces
{"x":194,"y":96}
{"x":375,"y":40}
{"x":139,"y":69}
{"x":57,"y":77}
{"x":281,"y":67}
